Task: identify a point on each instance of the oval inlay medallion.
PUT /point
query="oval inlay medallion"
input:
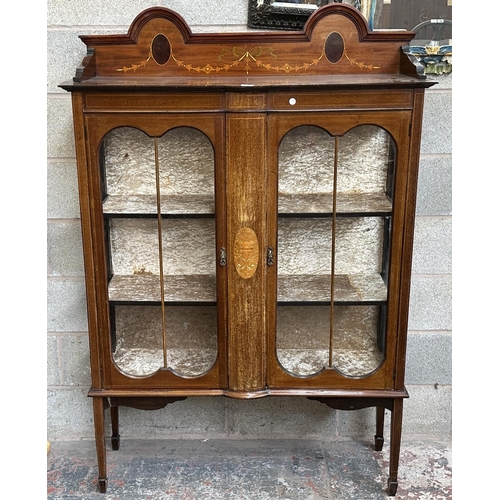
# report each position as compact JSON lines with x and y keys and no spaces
{"x":246,"y":252}
{"x":160,"y":49}
{"x":334,"y":47}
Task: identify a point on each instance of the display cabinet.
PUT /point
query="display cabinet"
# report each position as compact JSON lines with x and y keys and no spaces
{"x":247,"y":209}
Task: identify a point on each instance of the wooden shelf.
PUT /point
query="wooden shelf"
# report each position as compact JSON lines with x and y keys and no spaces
{"x":302,"y":289}
{"x":199,"y":289}
{"x":357,"y":289}
{"x":352,"y":363}
{"x":348,"y":204}
{"x":301,"y":362}
{"x":171,"y":205}
{"x":185,"y":362}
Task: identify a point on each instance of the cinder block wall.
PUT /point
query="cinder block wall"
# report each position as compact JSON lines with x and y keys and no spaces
{"x":69,"y":410}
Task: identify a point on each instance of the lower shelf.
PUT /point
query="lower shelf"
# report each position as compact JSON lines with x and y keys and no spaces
{"x":185,"y":362}
{"x":304,"y":336}
{"x":310,"y":361}
{"x":196,"y":362}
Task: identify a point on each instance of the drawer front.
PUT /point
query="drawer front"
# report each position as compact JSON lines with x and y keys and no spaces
{"x":154,"y":102}
{"x":246,"y":101}
{"x":315,"y":101}
{"x":276,"y":101}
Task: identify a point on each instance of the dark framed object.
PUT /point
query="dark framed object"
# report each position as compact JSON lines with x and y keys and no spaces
{"x":281,"y":15}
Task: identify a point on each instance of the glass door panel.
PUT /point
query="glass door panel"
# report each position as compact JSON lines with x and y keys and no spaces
{"x":186,"y":176}
{"x":128,"y":176}
{"x":305,"y":175}
{"x":159,"y":212}
{"x":365,"y":172}
{"x":305,"y":249}
{"x":334,"y":219}
{"x":187,"y":204}
{"x":303,"y":338}
{"x":128,"y":173}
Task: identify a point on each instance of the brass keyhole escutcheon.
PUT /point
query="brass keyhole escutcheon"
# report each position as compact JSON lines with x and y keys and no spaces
{"x":246,"y":252}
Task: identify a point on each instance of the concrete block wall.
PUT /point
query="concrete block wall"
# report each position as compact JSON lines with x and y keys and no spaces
{"x":69,"y":410}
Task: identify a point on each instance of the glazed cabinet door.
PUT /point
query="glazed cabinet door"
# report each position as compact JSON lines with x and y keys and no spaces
{"x":158,"y":205}
{"x":336,"y":221}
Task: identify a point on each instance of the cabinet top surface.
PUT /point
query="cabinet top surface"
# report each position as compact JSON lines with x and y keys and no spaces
{"x":336,"y":48}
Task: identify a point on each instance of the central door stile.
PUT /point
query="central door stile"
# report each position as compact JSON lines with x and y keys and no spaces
{"x":247,"y":250}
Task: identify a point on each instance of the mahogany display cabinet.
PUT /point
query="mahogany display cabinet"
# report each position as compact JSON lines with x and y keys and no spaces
{"x":247,"y":209}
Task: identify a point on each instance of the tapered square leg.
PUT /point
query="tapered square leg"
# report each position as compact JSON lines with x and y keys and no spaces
{"x":103,"y":485}
{"x":379,"y":433}
{"x":115,"y":427}
{"x":396,"y":426}
{"x":100,"y":442}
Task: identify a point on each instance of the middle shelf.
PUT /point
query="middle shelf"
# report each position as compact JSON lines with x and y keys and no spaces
{"x":289,"y":204}
{"x":201,"y":289}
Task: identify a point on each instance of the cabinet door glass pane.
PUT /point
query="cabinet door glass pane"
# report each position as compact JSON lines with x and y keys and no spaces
{"x":160,"y":218}
{"x":334,"y":218}
{"x":304,"y":255}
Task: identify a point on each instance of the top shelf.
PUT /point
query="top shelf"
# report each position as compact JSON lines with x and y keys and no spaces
{"x":347,"y":204}
{"x":289,"y":205}
{"x":146,"y":206}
